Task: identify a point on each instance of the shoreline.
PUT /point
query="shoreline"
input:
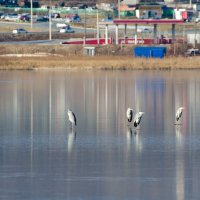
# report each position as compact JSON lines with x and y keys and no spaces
{"x":54,"y":62}
{"x":70,"y":57}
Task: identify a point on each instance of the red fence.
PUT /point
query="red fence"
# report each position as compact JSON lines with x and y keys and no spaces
{"x":140,"y":41}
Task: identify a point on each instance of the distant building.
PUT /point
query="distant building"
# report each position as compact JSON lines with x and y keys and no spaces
{"x":146,"y":10}
{"x":149,"y":11}
{"x":184,"y":14}
{"x":181,"y":1}
{"x":193,"y":38}
{"x":152,"y":1}
{"x":27,"y":3}
{"x":134,"y":2}
{"x":105,"y":6}
{"x":127,"y":10}
{"x":142,"y":9}
{"x":130,"y":2}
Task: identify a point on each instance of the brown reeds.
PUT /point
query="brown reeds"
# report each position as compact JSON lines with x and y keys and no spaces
{"x":71,"y":57}
{"x":97,"y":62}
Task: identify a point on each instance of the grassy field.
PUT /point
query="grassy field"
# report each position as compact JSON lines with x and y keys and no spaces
{"x":98,"y":62}
{"x":21,"y":57}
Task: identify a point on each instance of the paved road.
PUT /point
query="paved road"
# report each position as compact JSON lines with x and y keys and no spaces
{"x":50,"y":42}
{"x":44,"y":26}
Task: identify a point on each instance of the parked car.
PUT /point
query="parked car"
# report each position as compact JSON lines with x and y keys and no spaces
{"x":25,"y":17}
{"x":146,"y":30}
{"x":3,"y":16}
{"x":42,"y":19}
{"x":12,"y":17}
{"x":61,"y":25}
{"x":68,"y":20}
{"x":55,"y":15}
{"x":67,"y":8}
{"x":108,"y":19}
{"x":192,"y":52}
{"x":76,"y":18}
{"x":73,"y":18}
{"x":19,"y":31}
{"x":66,"y":29}
{"x":197,"y":20}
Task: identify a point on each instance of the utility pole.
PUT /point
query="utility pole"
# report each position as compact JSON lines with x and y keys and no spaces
{"x":97,"y":26}
{"x":50,"y":21}
{"x":195,"y":35}
{"x":84,"y":42}
{"x":31,"y":14}
{"x":190,"y":3}
{"x":118,"y":9}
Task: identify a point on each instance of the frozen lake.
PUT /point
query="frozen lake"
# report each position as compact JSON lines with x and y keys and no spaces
{"x":103,"y":158}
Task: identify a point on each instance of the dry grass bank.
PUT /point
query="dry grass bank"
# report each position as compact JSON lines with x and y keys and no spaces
{"x":71,"y":57}
{"x":97,"y":62}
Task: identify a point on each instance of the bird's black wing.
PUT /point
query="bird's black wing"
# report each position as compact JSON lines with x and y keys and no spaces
{"x":74,"y":118}
{"x":131,"y":116}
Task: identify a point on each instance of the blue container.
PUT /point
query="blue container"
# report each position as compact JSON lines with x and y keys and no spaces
{"x":152,"y":51}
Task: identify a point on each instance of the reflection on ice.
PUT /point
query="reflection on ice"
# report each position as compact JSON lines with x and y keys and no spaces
{"x":133,"y":137}
{"x":70,"y":140}
{"x":129,"y":135}
{"x":138,"y":141}
{"x":158,"y":161}
{"x":178,"y":132}
{"x":180,"y":171}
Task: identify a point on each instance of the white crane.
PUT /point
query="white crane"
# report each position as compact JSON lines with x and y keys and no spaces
{"x":137,"y":118}
{"x":179,"y":113}
{"x":129,"y":114}
{"x":72,"y":118}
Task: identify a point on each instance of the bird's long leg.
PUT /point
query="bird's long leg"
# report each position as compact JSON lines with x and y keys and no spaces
{"x":130,"y":124}
{"x":178,"y":124}
{"x":70,"y":126}
{"x":137,"y":128}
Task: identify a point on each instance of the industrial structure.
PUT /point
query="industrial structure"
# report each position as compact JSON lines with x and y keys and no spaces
{"x":136,"y":22}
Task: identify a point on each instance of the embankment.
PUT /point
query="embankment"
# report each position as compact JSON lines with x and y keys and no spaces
{"x":54,"y":57}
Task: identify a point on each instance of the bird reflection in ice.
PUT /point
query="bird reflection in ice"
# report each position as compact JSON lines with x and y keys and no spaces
{"x":133,"y":136}
{"x":180,"y":171}
{"x":138,"y":142}
{"x":179,"y":136}
{"x":178,"y":131}
{"x":70,"y":140}
{"x":129,"y":133}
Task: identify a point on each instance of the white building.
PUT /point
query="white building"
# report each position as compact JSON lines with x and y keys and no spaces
{"x":149,"y":12}
{"x":130,"y":2}
{"x":178,"y":13}
{"x":105,"y":6}
{"x":191,"y":37}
